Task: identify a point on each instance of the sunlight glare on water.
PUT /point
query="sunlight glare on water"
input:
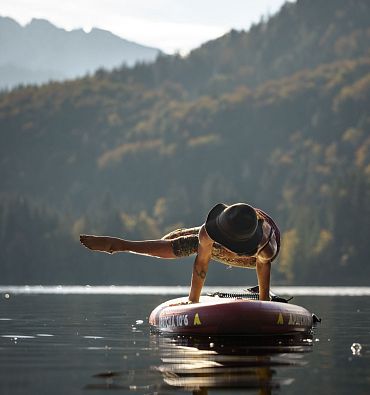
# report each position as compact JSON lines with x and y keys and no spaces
{"x":171,"y":290}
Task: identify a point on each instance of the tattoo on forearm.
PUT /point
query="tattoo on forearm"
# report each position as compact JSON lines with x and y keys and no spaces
{"x":200,"y":273}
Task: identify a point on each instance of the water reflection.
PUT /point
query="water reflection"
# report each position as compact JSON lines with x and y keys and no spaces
{"x":200,"y":363}
{"x":197,"y":364}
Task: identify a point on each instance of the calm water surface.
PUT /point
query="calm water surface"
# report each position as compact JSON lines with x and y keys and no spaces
{"x":72,"y":344}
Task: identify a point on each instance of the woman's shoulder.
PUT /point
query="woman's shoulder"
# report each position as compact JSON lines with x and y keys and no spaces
{"x":268,"y":248}
{"x":204,"y":238}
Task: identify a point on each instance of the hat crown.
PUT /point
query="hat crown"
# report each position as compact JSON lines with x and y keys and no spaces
{"x":238,"y":221}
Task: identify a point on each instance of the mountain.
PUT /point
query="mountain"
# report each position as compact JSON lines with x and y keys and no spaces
{"x":277,"y":116}
{"x":39,"y":52}
{"x":300,"y":36}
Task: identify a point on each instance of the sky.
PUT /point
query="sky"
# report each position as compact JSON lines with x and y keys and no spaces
{"x":170,"y":25}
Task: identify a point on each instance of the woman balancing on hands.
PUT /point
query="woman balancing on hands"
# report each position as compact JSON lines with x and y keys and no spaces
{"x":236,"y":235}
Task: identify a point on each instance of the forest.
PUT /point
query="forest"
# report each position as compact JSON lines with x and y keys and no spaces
{"x":277,"y":116}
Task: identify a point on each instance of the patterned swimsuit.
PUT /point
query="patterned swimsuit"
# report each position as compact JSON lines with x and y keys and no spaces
{"x":185,"y":242}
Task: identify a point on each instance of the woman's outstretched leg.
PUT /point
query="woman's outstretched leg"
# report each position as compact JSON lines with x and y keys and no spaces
{"x":157,"y":248}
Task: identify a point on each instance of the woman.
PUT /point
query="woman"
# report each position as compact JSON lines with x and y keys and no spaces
{"x":236,"y":235}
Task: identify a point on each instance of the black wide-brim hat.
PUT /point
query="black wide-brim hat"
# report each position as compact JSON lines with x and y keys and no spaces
{"x":235,"y":227}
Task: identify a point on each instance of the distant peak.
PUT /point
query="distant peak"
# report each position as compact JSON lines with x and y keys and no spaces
{"x":37,"y":23}
{"x":97,"y":30}
{"x":40,"y":21}
{"x":9,"y":21}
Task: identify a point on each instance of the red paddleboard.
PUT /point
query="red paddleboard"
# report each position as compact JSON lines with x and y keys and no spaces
{"x":215,"y":315}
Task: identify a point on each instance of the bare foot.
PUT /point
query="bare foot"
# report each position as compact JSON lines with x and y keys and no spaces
{"x":97,"y":243}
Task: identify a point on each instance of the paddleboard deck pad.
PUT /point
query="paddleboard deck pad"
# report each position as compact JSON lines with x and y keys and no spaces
{"x":229,"y":314}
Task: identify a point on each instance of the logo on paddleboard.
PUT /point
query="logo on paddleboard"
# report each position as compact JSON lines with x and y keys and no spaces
{"x":173,"y":320}
{"x":197,"y":320}
{"x":280,"y":320}
{"x":294,"y":319}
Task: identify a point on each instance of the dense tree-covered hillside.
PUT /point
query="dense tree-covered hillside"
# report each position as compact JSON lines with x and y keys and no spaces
{"x":302,"y":35}
{"x":277,"y":116}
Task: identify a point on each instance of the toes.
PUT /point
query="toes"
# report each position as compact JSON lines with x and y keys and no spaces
{"x":83,"y":239}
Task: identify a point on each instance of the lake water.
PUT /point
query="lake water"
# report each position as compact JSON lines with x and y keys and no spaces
{"x":63,"y":340}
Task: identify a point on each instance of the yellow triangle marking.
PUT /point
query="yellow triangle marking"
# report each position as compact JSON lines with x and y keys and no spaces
{"x":197,"y":319}
{"x":280,"y":319}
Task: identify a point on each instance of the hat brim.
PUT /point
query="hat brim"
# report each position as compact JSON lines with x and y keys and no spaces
{"x":239,"y":247}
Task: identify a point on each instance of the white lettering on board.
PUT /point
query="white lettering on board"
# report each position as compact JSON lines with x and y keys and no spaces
{"x":173,"y":320}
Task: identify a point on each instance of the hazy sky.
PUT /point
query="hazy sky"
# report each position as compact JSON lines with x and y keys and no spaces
{"x":171,"y":25}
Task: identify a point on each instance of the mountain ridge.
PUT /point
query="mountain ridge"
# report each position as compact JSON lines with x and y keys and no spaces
{"x":46,"y":52}
{"x":292,"y":39}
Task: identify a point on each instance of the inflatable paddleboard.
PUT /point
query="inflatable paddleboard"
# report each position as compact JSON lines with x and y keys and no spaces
{"x":228,"y":314}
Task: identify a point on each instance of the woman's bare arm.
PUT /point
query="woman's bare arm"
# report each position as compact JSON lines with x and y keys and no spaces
{"x":263,"y":268}
{"x":200,"y":266}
